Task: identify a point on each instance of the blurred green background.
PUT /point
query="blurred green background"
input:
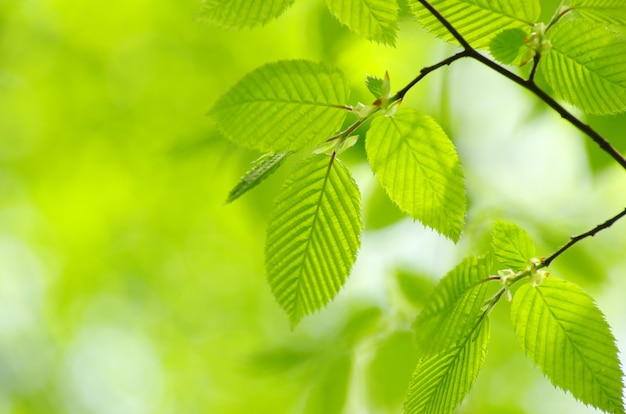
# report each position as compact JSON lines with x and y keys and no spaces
{"x":127,"y":286}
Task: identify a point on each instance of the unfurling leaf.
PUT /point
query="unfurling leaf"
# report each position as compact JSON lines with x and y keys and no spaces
{"x":608,"y":11}
{"x":508,"y":46}
{"x":587,"y":66}
{"x":374,"y":85}
{"x":561,"y":329}
{"x":417,"y":165}
{"x":478,"y":21}
{"x":237,"y":14}
{"x":512,"y":246}
{"x":283,"y":106}
{"x":375,"y":20}
{"x":262,"y":168}
{"x":313,"y":236}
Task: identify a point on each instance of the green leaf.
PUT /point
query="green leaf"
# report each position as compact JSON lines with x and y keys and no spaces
{"x":512,"y":246}
{"x":477,"y":20}
{"x":262,"y":167}
{"x":374,"y":85}
{"x":608,"y":11}
{"x":417,"y":165}
{"x":330,"y":389}
{"x":507,"y":46}
{"x":454,"y":308}
{"x":587,"y":66}
{"x":237,"y":14}
{"x":441,"y":381}
{"x":283,"y":106}
{"x":313,"y":236}
{"x":375,"y":20}
{"x":561,"y":329}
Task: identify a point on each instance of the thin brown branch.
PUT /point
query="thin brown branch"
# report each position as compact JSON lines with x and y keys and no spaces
{"x":575,"y":239}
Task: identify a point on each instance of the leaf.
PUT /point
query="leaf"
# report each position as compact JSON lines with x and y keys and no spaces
{"x":283,"y":106}
{"x":587,"y":66}
{"x":608,"y":11}
{"x":418,"y":167}
{"x":313,"y":236}
{"x":374,"y":85}
{"x":262,"y":167}
{"x":477,"y":20}
{"x":375,"y":20}
{"x":330,"y":387}
{"x":237,"y":14}
{"x":441,"y":381}
{"x":454,"y":308}
{"x":512,"y":246}
{"x":507,"y":46}
{"x":561,"y":329}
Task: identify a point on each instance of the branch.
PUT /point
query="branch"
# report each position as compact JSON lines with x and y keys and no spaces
{"x":575,"y":239}
{"x":530,"y":85}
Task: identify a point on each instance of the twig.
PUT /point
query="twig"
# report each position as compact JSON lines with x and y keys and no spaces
{"x":575,"y":239}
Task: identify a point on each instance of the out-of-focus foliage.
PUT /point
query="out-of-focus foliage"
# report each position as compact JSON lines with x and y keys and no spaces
{"x":127,"y":286}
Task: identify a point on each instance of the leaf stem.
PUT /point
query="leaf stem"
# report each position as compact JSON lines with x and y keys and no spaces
{"x":575,"y":239}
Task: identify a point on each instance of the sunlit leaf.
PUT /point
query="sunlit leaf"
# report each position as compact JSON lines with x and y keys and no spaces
{"x":609,"y":11}
{"x":512,"y":246}
{"x":262,"y":168}
{"x":587,"y":66}
{"x":238,"y":14}
{"x":477,"y":20}
{"x":374,"y":85}
{"x":313,"y":236}
{"x":418,"y":167}
{"x":507,"y":46}
{"x":441,"y":381}
{"x":283,"y":106}
{"x":375,"y":20}
{"x":454,"y":307}
{"x":561,"y":329}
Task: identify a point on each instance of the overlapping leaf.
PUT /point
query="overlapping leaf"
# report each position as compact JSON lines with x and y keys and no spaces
{"x":609,"y":11}
{"x":283,"y":106}
{"x":441,"y":381}
{"x":477,"y":20}
{"x":419,"y":168}
{"x":454,"y":308}
{"x":562,"y":330}
{"x":375,"y":20}
{"x":237,"y":14}
{"x":512,"y":246}
{"x":508,"y":46}
{"x":262,"y":168}
{"x":587,"y":66}
{"x":313,"y":236}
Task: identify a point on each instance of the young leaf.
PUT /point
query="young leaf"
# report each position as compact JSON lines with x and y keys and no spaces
{"x":441,"y":381}
{"x":507,"y":46}
{"x":418,"y":167}
{"x":237,"y":14}
{"x":512,"y":246}
{"x":374,"y":85}
{"x":283,"y":106}
{"x":375,"y":20}
{"x":607,"y":11}
{"x":262,"y":167}
{"x":454,"y":308}
{"x":561,"y":329}
{"x":477,"y":20}
{"x":587,"y":66}
{"x":313,"y":236}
